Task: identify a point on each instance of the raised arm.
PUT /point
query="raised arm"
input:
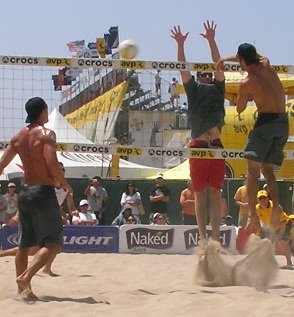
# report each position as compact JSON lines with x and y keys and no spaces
{"x":7,"y":157}
{"x":209,"y":35}
{"x":180,"y":38}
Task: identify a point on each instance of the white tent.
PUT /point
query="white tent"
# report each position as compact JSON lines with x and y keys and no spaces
{"x":65,"y":132}
{"x":81,"y":165}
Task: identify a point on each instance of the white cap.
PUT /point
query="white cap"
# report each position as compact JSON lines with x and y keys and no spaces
{"x":127,"y":206}
{"x":84,"y":202}
{"x":159,"y":175}
{"x":11,"y":185}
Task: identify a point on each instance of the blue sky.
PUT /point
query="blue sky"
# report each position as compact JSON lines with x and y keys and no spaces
{"x":42,"y":28}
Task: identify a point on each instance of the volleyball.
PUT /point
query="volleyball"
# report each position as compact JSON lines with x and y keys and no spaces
{"x":128,"y":49}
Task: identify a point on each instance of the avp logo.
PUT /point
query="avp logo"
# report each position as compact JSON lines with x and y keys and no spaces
{"x":129,"y":151}
{"x":202,"y":153}
{"x":132,"y":64}
{"x":232,"y":154}
{"x":58,"y":62}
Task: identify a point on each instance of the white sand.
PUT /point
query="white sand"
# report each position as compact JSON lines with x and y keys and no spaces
{"x":140,"y":285}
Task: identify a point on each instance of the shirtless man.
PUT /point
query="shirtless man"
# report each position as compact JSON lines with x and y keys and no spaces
{"x":40,"y":219}
{"x":206,"y":115}
{"x":266,"y":141}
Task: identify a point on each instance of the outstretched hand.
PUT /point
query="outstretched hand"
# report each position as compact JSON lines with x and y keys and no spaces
{"x":176,"y":34}
{"x":210,"y":28}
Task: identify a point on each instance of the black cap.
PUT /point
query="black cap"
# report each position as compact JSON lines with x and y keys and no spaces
{"x":34,"y":107}
{"x":248,"y":53}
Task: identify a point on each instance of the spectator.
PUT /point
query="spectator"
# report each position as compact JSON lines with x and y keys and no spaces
{"x":264,"y":210}
{"x":173,"y":92}
{"x":228,"y":220}
{"x":131,"y":220}
{"x":187,"y":200}
{"x":159,"y":196}
{"x":98,"y":199}
{"x":12,"y":201}
{"x":131,"y":197}
{"x":3,"y":209}
{"x":241,"y":199}
{"x":85,"y":218}
{"x":159,"y":219}
{"x":122,"y":218}
{"x":157,"y":83}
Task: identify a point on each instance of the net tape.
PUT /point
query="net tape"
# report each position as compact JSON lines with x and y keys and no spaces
{"x":124,"y":64}
{"x":121,"y":150}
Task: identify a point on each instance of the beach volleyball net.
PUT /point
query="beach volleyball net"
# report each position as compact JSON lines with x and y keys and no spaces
{"x":113,"y":106}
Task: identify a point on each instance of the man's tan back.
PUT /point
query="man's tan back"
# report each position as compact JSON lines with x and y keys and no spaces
{"x":30,"y":143}
{"x":265,"y":88}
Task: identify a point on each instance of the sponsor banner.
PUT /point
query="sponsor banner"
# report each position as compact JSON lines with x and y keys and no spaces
{"x":191,"y":237}
{"x":168,"y":239}
{"x":9,"y":237}
{"x":96,"y":119}
{"x":202,"y":153}
{"x":125,"y":64}
{"x":76,"y":239}
{"x":90,"y":239}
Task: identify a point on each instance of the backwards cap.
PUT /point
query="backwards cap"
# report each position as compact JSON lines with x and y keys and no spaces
{"x":34,"y":107}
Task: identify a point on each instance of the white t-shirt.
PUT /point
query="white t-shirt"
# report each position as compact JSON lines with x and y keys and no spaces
{"x":125,"y":198}
{"x":84,"y":217}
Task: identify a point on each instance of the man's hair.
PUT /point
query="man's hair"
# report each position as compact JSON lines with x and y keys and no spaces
{"x":248,"y":53}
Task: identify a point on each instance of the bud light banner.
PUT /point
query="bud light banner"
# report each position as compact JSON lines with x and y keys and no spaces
{"x":9,"y":237}
{"x":86,"y":239}
{"x":90,"y":239}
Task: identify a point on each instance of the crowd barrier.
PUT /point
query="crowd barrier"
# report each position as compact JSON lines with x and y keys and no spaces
{"x":178,"y":239}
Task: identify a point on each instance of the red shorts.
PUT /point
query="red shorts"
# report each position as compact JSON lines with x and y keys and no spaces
{"x":206,"y":172}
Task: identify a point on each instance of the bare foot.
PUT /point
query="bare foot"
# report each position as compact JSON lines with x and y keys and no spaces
{"x":28,"y":296}
{"x":49,"y":272}
{"x":22,"y":284}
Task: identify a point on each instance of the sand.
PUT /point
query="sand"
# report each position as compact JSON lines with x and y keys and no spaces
{"x":140,"y":285}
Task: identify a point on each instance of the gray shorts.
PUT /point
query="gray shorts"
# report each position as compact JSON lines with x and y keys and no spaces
{"x":267,"y":139}
{"x":39,"y":217}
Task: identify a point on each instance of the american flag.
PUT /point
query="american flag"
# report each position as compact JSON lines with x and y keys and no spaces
{"x":76,"y":46}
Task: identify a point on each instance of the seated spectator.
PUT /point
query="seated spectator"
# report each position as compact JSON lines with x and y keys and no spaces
{"x":12,"y":201}
{"x":131,"y":220}
{"x":264,"y":209}
{"x":122,"y":218}
{"x":159,"y":219}
{"x":85,"y":218}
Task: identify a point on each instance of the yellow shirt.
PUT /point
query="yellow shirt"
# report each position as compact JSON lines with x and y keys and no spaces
{"x":241,"y":195}
{"x":265,"y":214}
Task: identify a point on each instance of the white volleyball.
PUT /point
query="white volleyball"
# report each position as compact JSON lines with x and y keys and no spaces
{"x":128,"y":49}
